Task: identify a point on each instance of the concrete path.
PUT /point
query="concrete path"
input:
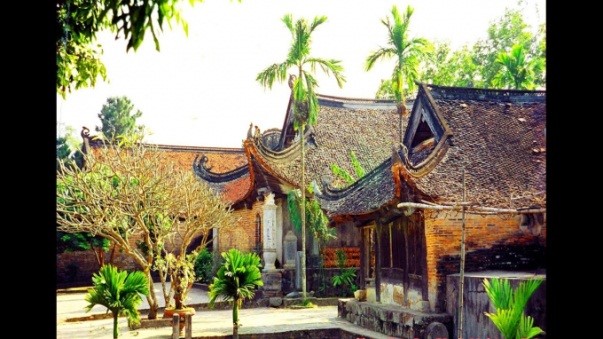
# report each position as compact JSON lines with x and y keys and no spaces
{"x":205,"y":322}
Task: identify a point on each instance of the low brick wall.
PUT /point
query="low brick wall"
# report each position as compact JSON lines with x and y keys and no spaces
{"x":394,"y":320}
{"x":76,"y":268}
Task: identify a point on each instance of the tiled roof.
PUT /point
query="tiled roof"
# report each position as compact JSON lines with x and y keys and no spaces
{"x":368,"y":127}
{"x":497,"y":136}
{"x":374,"y":190}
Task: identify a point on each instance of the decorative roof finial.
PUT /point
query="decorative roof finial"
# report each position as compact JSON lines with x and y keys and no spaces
{"x":249,"y":135}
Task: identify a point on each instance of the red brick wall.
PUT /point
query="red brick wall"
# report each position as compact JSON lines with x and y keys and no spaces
{"x":76,"y":268}
{"x":491,"y":242}
{"x":242,"y":236}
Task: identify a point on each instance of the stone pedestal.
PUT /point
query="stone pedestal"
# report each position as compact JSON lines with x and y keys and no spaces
{"x":290,"y":250}
{"x":272,"y":283}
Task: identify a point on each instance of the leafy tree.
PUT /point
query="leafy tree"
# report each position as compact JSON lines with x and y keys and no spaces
{"x":303,"y":85}
{"x":79,"y":22}
{"x":118,"y":118}
{"x":131,"y":196}
{"x":236,"y":280}
{"x":449,"y":67}
{"x":480,"y":64}
{"x":68,"y":153}
{"x":408,"y":53}
{"x":119,"y":291}
{"x":509,"y":30}
{"x":510,"y":317}
{"x":518,"y":72}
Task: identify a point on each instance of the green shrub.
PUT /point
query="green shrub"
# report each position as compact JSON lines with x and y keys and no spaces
{"x":346,"y":277}
{"x":204,"y":266}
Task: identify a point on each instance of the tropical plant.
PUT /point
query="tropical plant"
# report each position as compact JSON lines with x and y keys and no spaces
{"x":119,"y":291}
{"x":510,"y":317}
{"x":305,"y":101}
{"x":346,"y":277}
{"x":236,"y":280}
{"x":518,"y":71}
{"x":408,"y":53}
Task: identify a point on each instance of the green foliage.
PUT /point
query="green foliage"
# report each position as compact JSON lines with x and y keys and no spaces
{"x":236,"y":280}
{"x":408,"y":53}
{"x":79,"y":21}
{"x":68,"y":149}
{"x":118,"y":119}
{"x":119,"y":291}
{"x":510,"y":52}
{"x":518,"y":72}
{"x":346,"y":278}
{"x":305,"y":107}
{"x":510,"y":317}
{"x":71,"y":242}
{"x":451,"y":68}
{"x":293,"y":200}
{"x":130,"y":194}
{"x":342,"y":173}
{"x":203,"y":266}
{"x":345,"y":175}
{"x":316,"y":221}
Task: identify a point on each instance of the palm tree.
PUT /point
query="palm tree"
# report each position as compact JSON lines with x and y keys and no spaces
{"x":407,"y":52}
{"x":517,"y":72}
{"x":118,"y":291}
{"x":510,"y":318}
{"x":305,"y":101}
{"x":236,"y":280}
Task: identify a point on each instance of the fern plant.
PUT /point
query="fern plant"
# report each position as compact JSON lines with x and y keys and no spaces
{"x":510,"y":318}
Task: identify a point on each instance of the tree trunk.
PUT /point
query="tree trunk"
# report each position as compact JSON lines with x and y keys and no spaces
{"x":235,"y":319}
{"x":115,"y":329}
{"x":151,"y":299}
{"x":112,"y":256}
{"x":303,"y":212}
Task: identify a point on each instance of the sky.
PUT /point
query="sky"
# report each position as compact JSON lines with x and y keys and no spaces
{"x":200,"y":89}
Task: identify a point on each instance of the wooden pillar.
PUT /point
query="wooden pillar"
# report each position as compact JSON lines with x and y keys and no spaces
{"x":363,"y":258}
{"x":188,"y":326}
{"x":378,"y":231}
{"x":176,"y":326}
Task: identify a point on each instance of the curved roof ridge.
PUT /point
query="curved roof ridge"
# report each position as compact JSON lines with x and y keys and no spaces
{"x":204,"y":172}
{"x":330,"y":193}
{"x":285,"y":153}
